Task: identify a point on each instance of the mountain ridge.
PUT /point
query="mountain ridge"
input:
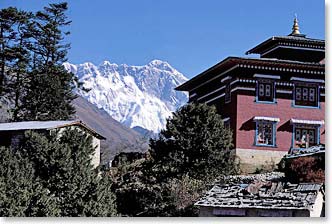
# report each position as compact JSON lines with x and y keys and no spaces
{"x":136,"y":96}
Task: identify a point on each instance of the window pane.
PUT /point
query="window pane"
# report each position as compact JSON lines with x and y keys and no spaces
{"x":297,"y":134}
{"x":305,"y":94}
{"x":305,"y":138}
{"x":261,"y":89}
{"x":264,"y":134}
{"x":268,"y":90}
{"x":312,"y":94}
{"x":311,"y":136}
{"x":298,"y":93}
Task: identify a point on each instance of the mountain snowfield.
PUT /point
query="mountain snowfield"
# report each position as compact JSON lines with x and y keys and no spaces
{"x":136,"y":96}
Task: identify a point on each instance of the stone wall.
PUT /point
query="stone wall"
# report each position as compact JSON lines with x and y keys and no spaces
{"x":252,"y":159}
{"x":252,"y":212}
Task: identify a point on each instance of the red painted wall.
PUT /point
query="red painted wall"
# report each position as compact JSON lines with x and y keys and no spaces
{"x":247,"y":108}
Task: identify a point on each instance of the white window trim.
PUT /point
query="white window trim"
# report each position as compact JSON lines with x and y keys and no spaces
{"x":266,"y":76}
{"x":308,"y":122}
{"x":261,"y":118}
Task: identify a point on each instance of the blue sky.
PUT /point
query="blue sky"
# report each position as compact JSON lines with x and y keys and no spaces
{"x":190,"y":35}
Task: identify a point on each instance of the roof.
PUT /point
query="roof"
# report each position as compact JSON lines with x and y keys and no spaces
{"x":229,"y":63}
{"x":261,"y":193}
{"x":311,"y":151}
{"x":45,"y":125}
{"x":289,"y":39}
{"x":260,"y":118}
{"x":310,"y":122}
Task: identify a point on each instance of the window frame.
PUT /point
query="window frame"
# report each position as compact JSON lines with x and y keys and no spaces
{"x":274,"y":133}
{"x":308,"y":87}
{"x":266,"y":82}
{"x":305,"y":127}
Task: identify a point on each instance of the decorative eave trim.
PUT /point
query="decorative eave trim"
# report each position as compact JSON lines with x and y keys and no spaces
{"x":281,"y":69}
{"x":307,"y":80}
{"x":223,"y":87}
{"x":217,"y":76}
{"x":225,"y":79}
{"x":192,"y":95}
{"x":284,"y":84}
{"x":284,"y":91}
{"x":266,"y":76}
{"x":297,"y":47}
{"x":247,"y":80}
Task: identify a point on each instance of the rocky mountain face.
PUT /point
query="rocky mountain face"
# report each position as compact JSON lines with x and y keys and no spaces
{"x":119,"y":138}
{"x":140,"y":97}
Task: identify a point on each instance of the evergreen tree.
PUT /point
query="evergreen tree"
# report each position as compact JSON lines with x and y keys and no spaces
{"x":50,"y":86}
{"x":14,"y":56}
{"x":196,"y":143}
{"x":193,"y":150}
{"x":62,"y":163}
{"x":20,"y":193}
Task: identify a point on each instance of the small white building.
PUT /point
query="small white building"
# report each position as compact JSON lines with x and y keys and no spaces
{"x":12,"y":133}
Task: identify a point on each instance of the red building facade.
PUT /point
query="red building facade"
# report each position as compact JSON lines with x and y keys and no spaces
{"x":274,"y":103}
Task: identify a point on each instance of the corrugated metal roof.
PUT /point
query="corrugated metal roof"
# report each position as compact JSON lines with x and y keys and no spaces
{"x":44,"y":125}
{"x":34,"y":125}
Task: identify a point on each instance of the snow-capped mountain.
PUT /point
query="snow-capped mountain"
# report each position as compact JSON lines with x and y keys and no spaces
{"x":136,"y":96}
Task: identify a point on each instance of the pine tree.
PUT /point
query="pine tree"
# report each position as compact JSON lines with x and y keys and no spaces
{"x":62,"y":163}
{"x":13,"y":45}
{"x":20,"y":193}
{"x":50,"y":86}
{"x":195,"y":142}
{"x":193,"y":150}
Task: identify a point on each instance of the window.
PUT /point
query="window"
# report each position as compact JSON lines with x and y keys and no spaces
{"x":305,"y":137}
{"x":265,"y":91}
{"x":227,"y":123}
{"x":228,"y":93}
{"x":265,"y":133}
{"x":306,"y":96}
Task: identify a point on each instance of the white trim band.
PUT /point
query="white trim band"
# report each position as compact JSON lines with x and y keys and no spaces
{"x":312,"y":122}
{"x":260,"y":118}
{"x":215,"y":98}
{"x":226,"y":119}
{"x":266,"y":76}
{"x":192,"y":95}
{"x":226,"y":78}
{"x":284,"y":91}
{"x":307,"y":80}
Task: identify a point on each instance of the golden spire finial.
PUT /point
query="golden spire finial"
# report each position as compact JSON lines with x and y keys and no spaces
{"x":296,"y":29}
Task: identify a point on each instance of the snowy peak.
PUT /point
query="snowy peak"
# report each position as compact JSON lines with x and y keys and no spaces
{"x":137,"y":96}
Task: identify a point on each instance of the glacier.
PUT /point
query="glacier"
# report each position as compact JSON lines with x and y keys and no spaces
{"x":136,"y":96}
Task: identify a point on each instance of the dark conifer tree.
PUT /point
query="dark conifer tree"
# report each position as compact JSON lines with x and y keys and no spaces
{"x":193,"y":150}
{"x":62,"y":164}
{"x":50,"y":90}
{"x":194,"y":142}
{"x":20,"y":193}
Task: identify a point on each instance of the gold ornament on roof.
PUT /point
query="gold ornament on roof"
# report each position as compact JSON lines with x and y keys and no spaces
{"x":296,"y":29}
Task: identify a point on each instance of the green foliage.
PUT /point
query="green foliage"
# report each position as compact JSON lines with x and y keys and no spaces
{"x":50,"y":87}
{"x":196,"y":143}
{"x":14,"y":54}
{"x":20,"y":194}
{"x":32,"y":50}
{"x":194,"y":149}
{"x":55,"y":177}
